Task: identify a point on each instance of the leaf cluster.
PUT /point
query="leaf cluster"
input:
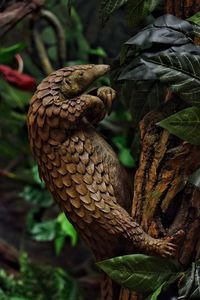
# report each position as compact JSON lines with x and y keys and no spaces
{"x":150,"y":275}
{"x":38,"y":282}
{"x":136,"y":10}
{"x":162,"y":56}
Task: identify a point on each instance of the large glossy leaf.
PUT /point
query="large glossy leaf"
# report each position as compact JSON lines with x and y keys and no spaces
{"x":139,"y":9}
{"x":185,"y":124}
{"x":109,"y":6}
{"x":142,"y":273}
{"x":180,"y":71}
{"x":166,"y":30}
{"x":189,"y":286}
{"x":195,"y":18}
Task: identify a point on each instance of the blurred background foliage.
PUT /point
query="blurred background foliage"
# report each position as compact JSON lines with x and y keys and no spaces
{"x":65,"y":33}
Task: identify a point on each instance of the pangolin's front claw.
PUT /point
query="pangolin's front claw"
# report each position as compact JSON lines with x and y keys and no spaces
{"x":168,"y":247}
{"x":107,"y":95}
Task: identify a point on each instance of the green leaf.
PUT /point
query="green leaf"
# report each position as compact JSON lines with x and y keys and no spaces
{"x":185,"y":124}
{"x":189,"y":287}
{"x":6,"y":54}
{"x":109,"y":6}
{"x":137,"y":10}
{"x":195,"y":178}
{"x":142,"y":273}
{"x":44,"y":231}
{"x":67,"y":228}
{"x":126,"y":158}
{"x":180,"y":71}
{"x":195,"y":18}
{"x":157,"y":292}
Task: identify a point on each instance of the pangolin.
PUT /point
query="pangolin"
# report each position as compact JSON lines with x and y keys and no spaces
{"x":78,"y":166}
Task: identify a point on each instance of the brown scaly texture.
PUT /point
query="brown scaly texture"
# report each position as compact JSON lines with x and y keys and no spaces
{"x":79,"y":168}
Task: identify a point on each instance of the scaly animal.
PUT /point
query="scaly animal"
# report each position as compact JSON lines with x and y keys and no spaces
{"x":78,"y":166}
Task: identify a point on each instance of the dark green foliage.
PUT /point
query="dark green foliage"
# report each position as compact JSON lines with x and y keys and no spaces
{"x":38,"y":282}
{"x":144,"y":274}
{"x":162,"y":56}
{"x":185,"y":124}
{"x":189,"y":287}
{"x":57,"y":229}
{"x":136,"y":10}
{"x":6,"y":54}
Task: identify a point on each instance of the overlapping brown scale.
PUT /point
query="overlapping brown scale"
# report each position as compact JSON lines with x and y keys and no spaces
{"x":102,"y":187}
{"x":80,"y":211}
{"x":86,"y":198}
{"x":71,"y":117}
{"x":58,"y":182}
{"x":72,"y":192}
{"x":90,"y":168}
{"x":68,"y":206}
{"x":106,"y":179}
{"x":44,"y":133}
{"x":49,"y":165}
{"x":51,"y":155}
{"x":31,"y":119}
{"x":65,"y":105}
{"x":53,"y":122}
{"x":96,"y":196}
{"x":87,"y":217}
{"x":43,"y":158}
{"x":85,"y":158}
{"x":98,"y":177}
{"x":43,"y":86}
{"x":88,"y":146}
{"x":49,"y":111}
{"x":36,"y":105}
{"x":54,"y":173}
{"x":76,"y":178}
{"x":100,"y":204}
{"x":51,"y":79}
{"x":71,"y":147}
{"x":75,"y":202}
{"x":81,"y":189}
{"x":52,"y":142}
{"x":75,"y":157}
{"x":66,"y":157}
{"x":38,"y":142}
{"x":67,"y":180}
{"x":41,"y":110}
{"x":58,"y":79}
{"x":64,"y":114}
{"x":48,"y":100}
{"x":87,"y":178}
{"x":41,"y":94}
{"x":33,"y":99}
{"x":71,"y":168}
{"x":71,"y":109}
{"x":62,"y":194}
{"x":62,"y":169}
{"x":93,"y":187}
{"x":91,"y":206}
{"x":56,"y":110}
{"x":40,"y":121}
{"x":81,"y":168}
{"x":79,"y":147}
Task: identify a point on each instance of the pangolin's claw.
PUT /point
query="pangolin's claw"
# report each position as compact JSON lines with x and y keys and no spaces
{"x":107,"y":95}
{"x":168,"y":247}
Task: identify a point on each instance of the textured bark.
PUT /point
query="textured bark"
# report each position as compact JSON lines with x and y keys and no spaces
{"x":15,"y":12}
{"x":182,"y":8}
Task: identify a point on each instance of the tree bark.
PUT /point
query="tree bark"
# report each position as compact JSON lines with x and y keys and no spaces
{"x":182,"y":8}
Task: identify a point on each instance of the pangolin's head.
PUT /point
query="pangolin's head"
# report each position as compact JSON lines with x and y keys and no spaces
{"x":80,"y":79}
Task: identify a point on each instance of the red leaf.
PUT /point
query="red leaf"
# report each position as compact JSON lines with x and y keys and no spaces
{"x":19,"y":80}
